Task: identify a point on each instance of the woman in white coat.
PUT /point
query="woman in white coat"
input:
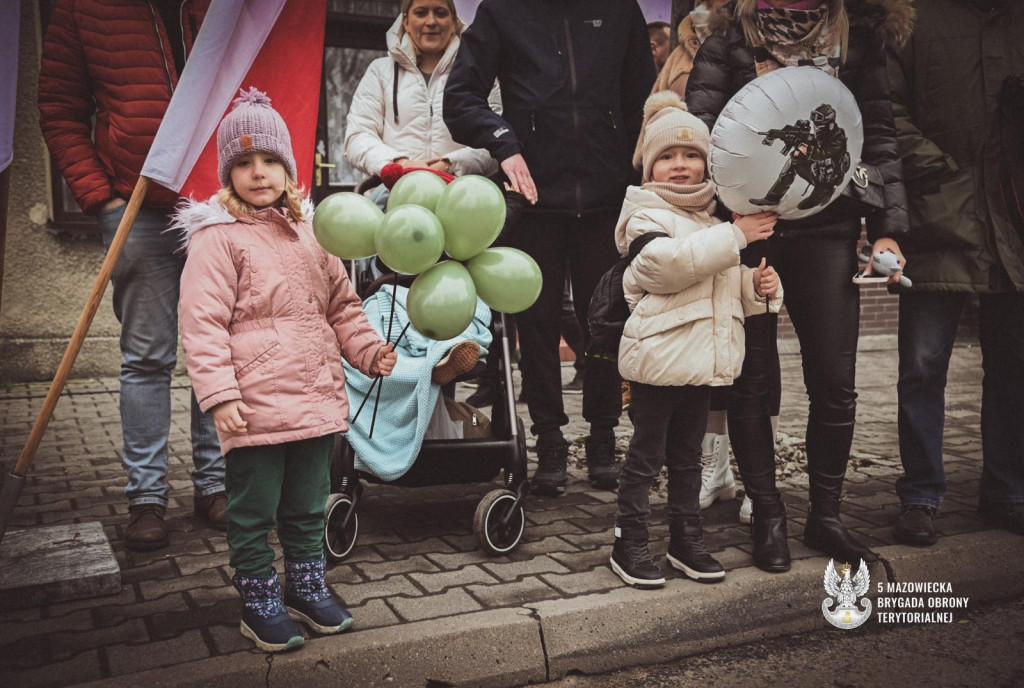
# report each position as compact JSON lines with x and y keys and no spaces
{"x":395,"y":114}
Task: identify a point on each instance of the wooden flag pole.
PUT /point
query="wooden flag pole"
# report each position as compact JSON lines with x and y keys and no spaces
{"x":15,"y":479}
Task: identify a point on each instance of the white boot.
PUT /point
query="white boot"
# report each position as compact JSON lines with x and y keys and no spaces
{"x":716,"y":479}
{"x":746,"y":510}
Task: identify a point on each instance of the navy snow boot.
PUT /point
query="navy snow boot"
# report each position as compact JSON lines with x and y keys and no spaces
{"x":308,"y":600}
{"x":265,"y":621}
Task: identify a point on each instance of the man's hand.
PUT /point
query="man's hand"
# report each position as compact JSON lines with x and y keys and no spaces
{"x":519,"y":177}
{"x":887,"y":244}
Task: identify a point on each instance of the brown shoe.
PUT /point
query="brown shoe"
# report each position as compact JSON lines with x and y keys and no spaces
{"x":460,"y":360}
{"x":213,"y":508}
{"x":146,"y":527}
{"x":627,"y":396}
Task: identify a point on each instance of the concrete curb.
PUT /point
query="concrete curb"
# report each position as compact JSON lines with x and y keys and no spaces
{"x":602,"y":632}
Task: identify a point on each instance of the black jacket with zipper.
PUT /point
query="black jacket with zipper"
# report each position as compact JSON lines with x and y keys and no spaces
{"x":574,"y":76}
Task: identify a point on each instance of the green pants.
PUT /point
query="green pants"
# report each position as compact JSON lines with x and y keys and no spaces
{"x":283,"y":483}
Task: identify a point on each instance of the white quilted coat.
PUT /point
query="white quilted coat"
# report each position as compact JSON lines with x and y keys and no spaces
{"x":373,"y":138}
{"x":688,"y":293}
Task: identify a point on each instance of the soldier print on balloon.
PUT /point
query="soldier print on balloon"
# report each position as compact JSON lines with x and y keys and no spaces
{"x":819,"y":126}
{"x":816,"y":154}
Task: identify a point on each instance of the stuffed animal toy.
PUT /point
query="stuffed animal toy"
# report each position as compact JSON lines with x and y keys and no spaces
{"x":883,"y":264}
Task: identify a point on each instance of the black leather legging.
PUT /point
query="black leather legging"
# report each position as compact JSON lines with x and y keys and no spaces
{"x":824,"y":306}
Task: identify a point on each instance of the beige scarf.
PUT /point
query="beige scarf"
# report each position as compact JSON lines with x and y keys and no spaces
{"x":696,"y":199}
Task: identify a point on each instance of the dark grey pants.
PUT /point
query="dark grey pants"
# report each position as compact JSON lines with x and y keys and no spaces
{"x":668,"y":426}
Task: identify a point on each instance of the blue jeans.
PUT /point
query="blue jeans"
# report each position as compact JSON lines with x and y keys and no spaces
{"x":146,"y":283}
{"x":927,"y":330}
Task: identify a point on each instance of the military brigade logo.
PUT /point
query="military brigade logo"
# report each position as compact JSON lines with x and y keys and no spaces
{"x":843,"y":611}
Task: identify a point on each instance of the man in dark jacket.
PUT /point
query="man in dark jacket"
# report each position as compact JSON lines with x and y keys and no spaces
{"x":105,"y":79}
{"x":574,"y":76}
{"x":958,"y":98}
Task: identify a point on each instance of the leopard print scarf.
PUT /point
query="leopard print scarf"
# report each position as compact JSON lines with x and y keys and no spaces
{"x":792,"y":38}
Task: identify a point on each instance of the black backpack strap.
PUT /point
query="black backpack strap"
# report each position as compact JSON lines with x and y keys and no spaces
{"x":638,"y":244}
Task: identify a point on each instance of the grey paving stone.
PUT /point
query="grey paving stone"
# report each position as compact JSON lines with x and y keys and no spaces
{"x":599,"y":579}
{"x":511,"y":571}
{"x":373,"y":614}
{"x":65,"y":645}
{"x":128,"y":659}
{"x":85,"y":666}
{"x":456,"y":601}
{"x":353,"y":595}
{"x":377,"y":571}
{"x":436,"y":582}
{"x":530,"y":589}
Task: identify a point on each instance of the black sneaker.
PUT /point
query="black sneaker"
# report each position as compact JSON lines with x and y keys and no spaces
{"x":1005,"y":515}
{"x":631,"y":561}
{"x":574,"y":386}
{"x":688,"y":553}
{"x":916,"y":525}
{"x":549,"y":478}
{"x":602,"y":469}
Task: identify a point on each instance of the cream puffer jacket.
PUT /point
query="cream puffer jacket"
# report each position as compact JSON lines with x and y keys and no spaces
{"x":266,"y":315}
{"x":688,"y":294}
{"x":373,"y":137}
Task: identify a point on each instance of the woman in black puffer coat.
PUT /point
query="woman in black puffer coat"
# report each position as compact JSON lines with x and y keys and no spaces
{"x":815,"y":256}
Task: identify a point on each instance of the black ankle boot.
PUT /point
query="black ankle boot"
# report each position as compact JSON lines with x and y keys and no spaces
{"x":768,"y":532}
{"x":826,"y":533}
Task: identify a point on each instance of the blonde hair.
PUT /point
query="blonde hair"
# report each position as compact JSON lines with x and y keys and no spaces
{"x":290,"y":199}
{"x":407,"y":5}
{"x":837,"y":22}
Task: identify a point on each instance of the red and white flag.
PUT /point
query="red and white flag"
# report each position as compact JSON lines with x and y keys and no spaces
{"x":274,"y":45}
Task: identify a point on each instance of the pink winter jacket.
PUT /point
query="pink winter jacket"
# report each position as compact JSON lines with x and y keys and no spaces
{"x":266,"y":315}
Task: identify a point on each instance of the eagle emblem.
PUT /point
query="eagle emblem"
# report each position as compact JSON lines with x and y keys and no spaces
{"x":843,"y":611}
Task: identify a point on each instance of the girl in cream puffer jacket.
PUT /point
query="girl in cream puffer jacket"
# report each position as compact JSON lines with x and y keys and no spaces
{"x":396,"y":113}
{"x":689,"y":295}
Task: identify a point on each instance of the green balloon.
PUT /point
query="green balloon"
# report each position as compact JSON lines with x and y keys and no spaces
{"x":442,"y":301}
{"x":345,"y":224}
{"x":410,"y":239}
{"x":507,"y":279}
{"x":472,"y":211}
{"x":417,"y":188}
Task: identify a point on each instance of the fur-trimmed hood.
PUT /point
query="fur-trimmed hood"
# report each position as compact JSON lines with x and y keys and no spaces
{"x":893,"y":20}
{"x":191,"y":216}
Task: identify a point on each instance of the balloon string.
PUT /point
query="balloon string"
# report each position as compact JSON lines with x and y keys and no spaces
{"x":391,"y":322}
{"x":373,"y":384}
{"x":373,"y":420}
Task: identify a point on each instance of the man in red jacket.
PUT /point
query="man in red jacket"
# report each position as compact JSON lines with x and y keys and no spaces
{"x":105,"y":79}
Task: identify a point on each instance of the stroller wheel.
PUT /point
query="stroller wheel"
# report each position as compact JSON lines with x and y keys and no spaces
{"x":498,"y":529}
{"x":339,"y":535}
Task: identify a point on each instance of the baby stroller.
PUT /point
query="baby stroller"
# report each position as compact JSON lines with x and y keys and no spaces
{"x":499,"y":520}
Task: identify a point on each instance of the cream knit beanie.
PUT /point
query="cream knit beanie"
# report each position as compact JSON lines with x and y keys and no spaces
{"x":666,"y":124}
{"x":251,"y":126}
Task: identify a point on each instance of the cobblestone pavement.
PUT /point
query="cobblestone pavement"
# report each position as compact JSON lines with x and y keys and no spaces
{"x":416,"y":557}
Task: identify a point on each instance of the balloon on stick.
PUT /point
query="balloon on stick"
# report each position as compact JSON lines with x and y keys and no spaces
{"x":472,"y":211}
{"x":410,"y":239}
{"x":442,"y":301}
{"x":417,"y":188}
{"x":789,"y":142}
{"x":507,"y":279}
{"x":346,"y":223}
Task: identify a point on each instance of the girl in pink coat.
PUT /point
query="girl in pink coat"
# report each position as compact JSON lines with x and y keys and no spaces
{"x":267,"y":315}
